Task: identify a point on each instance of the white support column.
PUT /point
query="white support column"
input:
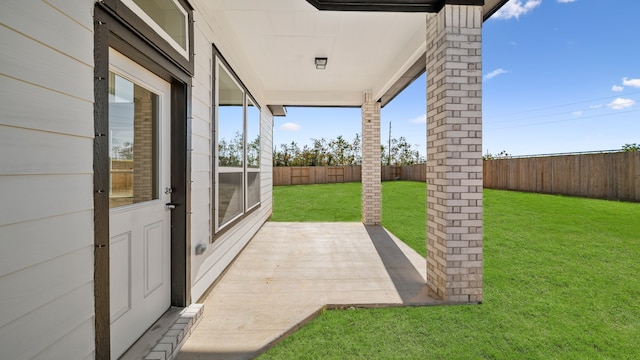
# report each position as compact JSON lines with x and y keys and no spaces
{"x":454,"y":153}
{"x":371,"y":186}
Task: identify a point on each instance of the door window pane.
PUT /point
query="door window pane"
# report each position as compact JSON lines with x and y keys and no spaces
{"x":133,"y":142}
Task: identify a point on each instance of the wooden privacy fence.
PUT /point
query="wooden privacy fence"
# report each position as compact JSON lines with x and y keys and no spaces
{"x":121,"y":176}
{"x":613,"y":176}
{"x":408,"y":172}
{"x":298,"y":175}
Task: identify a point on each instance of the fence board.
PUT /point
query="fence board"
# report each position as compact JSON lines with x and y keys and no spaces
{"x":299,"y":175}
{"x":335,"y":174}
{"x":635,"y":177}
{"x":613,"y":176}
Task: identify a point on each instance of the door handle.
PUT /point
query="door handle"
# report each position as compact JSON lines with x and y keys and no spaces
{"x":169,"y":206}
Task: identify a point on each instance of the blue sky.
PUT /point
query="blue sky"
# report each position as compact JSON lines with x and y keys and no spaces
{"x":559,"y":76}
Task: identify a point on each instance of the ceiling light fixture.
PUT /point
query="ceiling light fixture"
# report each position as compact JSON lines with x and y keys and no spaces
{"x":321,"y":63}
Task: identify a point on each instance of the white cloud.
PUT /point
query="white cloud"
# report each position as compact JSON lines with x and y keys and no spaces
{"x":422,"y":119}
{"x":495,"y":73}
{"x":620,"y":103}
{"x":290,"y":127}
{"x":515,"y":8}
{"x":596,"y":106}
{"x":577,"y":113}
{"x":617,"y":88}
{"x":566,"y":1}
{"x":631,"y":82}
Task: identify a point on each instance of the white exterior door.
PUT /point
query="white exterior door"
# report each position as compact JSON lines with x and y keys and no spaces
{"x":139,"y":222}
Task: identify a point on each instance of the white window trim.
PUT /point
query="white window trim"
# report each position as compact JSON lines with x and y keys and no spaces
{"x":229,"y":169}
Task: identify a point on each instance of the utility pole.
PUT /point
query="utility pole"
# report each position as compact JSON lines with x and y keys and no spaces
{"x":389,"y":157}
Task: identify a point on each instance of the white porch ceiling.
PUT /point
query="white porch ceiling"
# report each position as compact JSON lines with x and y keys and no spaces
{"x":279,"y":40}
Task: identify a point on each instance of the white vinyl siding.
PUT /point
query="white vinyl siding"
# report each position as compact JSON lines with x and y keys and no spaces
{"x":46,"y":175}
{"x":78,"y":341}
{"x":46,"y":179}
{"x":266,"y":162}
{"x":201,"y":223}
{"x":206,"y":268}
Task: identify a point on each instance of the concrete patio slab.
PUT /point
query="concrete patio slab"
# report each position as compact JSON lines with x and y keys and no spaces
{"x":289,"y":272}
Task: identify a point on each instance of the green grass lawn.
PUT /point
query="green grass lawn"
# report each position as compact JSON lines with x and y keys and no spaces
{"x":561,"y":281}
{"x":330,"y":202}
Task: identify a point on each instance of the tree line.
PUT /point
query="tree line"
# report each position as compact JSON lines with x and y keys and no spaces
{"x":231,"y":151}
{"x":342,"y":152}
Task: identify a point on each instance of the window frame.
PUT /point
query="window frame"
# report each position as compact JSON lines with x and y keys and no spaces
{"x":158,"y":28}
{"x":219,"y":62}
{"x":217,"y":168}
{"x":251,"y":169}
{"x":145,"y":29}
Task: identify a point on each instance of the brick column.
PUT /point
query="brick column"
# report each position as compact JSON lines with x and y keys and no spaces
{"x":454,"y":153}
{"x":371,"y":188}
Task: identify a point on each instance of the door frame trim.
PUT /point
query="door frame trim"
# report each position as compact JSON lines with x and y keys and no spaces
{"x":111,"y":31}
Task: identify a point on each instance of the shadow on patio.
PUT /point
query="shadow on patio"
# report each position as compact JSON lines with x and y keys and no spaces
{"x":289,"y":272}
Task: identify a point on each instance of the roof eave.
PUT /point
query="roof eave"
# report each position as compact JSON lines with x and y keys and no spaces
{"x":419,"y":67}
{"x":424,"y":6}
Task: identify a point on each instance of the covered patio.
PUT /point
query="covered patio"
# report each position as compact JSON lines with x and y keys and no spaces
{"x":94,"y":267}
{"x":290,"y":272}
{"x":362,"y":54}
